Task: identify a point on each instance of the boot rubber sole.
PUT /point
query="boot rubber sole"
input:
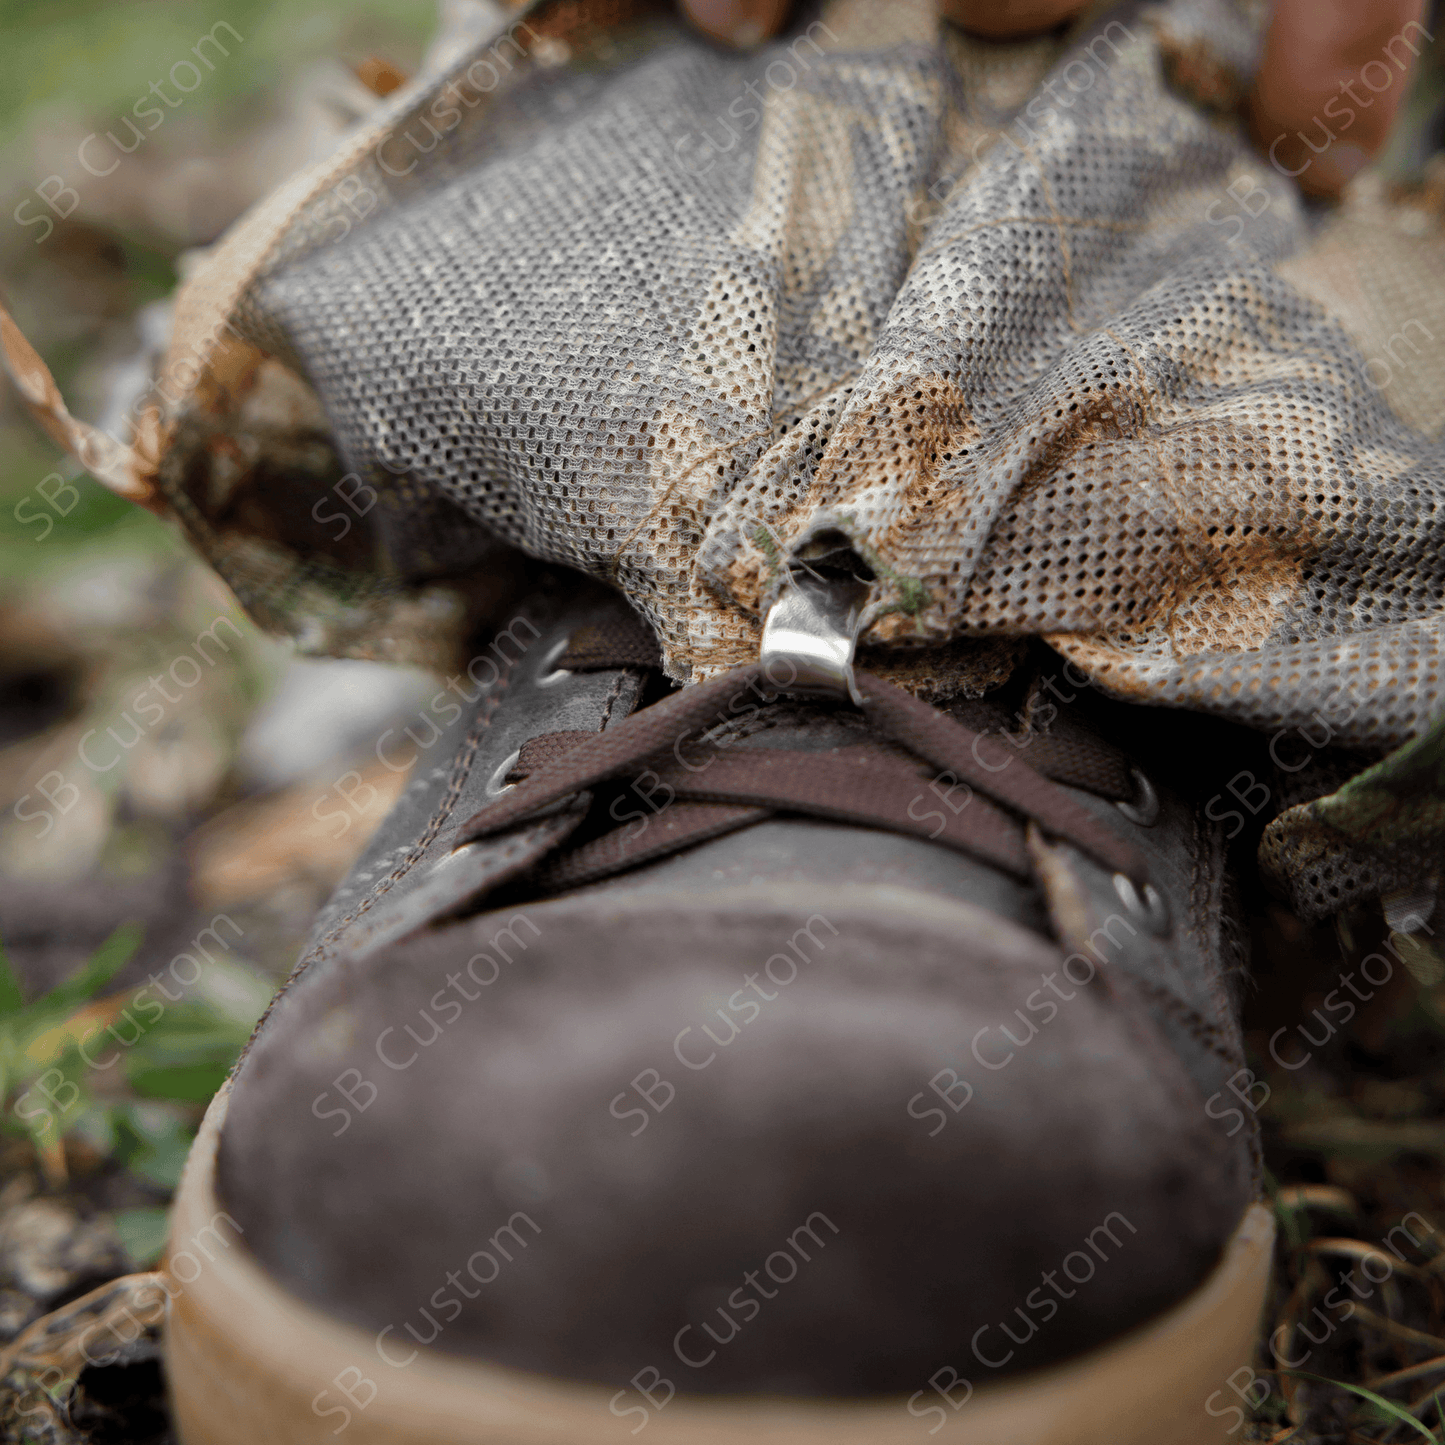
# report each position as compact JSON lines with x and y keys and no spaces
{"x":248,"y":1363}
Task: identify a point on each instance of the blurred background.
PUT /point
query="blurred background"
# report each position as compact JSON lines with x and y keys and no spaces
{"x":181,"y":824}
{"x":98,"y":594}
{"x":145,"y":824}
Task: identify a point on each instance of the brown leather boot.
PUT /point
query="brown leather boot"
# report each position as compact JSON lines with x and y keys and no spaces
{"x":782,"y":1058}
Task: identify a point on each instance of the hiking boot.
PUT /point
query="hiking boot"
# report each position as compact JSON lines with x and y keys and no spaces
{"x":780,"y":1058}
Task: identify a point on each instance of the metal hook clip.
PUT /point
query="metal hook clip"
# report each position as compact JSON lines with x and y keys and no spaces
{"x":813,"y":630}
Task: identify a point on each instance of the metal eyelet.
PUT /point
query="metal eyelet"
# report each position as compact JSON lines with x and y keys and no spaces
{"x":547,"y":674}
{"x":1145,"y":810}
{"x":496,"y":784}
{"x":1150,"y":907}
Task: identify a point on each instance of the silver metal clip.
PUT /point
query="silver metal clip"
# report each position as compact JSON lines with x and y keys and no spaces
{"x":810,"y":634}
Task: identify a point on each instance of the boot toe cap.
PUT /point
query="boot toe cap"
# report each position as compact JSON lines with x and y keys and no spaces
{"x":754,"y":1152}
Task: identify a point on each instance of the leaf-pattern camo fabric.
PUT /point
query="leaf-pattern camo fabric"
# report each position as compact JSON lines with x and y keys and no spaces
{"x":1031,"y":326}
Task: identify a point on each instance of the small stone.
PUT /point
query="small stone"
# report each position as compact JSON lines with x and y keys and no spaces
{"x":47,"y":1249}
{"x":16,"y":1311}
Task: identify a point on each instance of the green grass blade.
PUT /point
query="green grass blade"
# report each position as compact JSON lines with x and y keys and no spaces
{"x":142,"y":1234}
{"x":11,"y":999}
{"x":1394,"y":1411}
{"x":105,"y":963}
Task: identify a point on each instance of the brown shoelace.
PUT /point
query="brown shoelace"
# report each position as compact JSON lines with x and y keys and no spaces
{"x":707,"y":788}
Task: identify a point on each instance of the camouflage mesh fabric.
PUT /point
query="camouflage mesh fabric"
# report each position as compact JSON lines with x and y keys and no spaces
{"x":1031,"y":326}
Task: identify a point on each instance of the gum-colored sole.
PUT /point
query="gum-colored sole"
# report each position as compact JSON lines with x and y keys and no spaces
{"x":248,"y":1364}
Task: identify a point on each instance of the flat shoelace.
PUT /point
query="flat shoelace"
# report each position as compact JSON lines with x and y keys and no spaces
{"x":714,"y":790}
